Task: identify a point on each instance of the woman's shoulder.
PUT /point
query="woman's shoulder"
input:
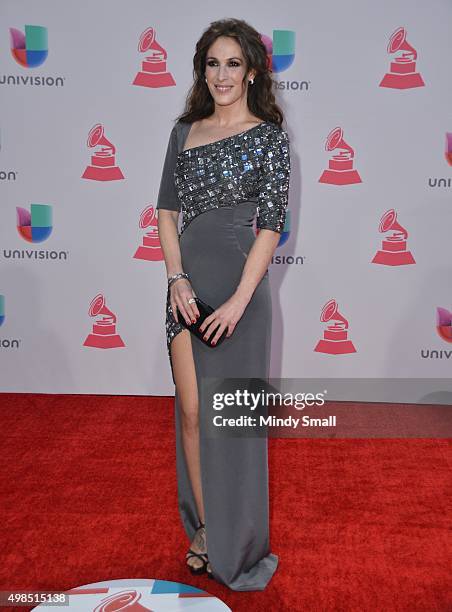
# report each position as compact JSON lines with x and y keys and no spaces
{"x":179,"y":133}
{"x":275,"y":132}
{"x":179,"y":126}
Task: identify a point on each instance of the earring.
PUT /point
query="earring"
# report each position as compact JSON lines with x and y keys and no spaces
{"x":251,"y":81}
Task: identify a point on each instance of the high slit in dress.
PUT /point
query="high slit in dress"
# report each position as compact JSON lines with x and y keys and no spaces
{"x":221,"y":188}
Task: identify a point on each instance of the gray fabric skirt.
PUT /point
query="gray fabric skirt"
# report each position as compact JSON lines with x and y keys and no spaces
{"x":234,"y":471}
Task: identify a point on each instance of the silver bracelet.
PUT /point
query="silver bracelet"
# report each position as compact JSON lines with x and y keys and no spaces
{"x":175,"y":277}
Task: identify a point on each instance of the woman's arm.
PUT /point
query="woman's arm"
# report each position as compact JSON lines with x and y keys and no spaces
{"x":168,"y":206}
{"x":169,"y":239}
{"x":181,"y":290}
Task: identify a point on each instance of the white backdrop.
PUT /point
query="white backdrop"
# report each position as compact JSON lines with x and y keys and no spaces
{"x":397,"y":134}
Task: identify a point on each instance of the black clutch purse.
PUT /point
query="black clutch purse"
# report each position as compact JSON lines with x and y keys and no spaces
{"x":204,"y":311}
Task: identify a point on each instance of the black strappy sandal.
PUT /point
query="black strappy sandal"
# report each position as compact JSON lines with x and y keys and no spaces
{"x":202,"y":556}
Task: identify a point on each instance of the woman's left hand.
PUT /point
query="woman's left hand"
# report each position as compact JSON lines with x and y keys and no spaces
{"x":224,"y":317}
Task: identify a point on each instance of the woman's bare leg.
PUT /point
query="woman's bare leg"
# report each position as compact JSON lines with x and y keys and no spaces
{"x":187,"y":387}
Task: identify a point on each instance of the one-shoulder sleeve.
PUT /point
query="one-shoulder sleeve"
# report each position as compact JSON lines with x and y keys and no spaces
{"x":167,"y":197}
{"x":273,"y":194}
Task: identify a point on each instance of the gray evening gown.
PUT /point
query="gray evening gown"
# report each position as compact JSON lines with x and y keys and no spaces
{"x":220,"y":187}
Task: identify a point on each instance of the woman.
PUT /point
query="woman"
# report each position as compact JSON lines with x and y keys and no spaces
{"x":227,"y":159}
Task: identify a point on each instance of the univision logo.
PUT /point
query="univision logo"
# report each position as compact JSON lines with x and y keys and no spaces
{"x":280,"y":56}
{"x":444,"y":182}
{"x":30,"y":50}
{"x":444,"y":330}
{"x":2,"y":309}
{"x":34,"y":225}
{"x":6,"y":343}
{"x":280,"y":49}
{"x":444,"y":324}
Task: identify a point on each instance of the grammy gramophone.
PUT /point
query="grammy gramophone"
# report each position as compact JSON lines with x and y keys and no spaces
{"x":340,"y":165}
{"x":393,"y":250}
{"x":150,"y":249}
{"x":103,"y":164}
{"x":153,"y":68}
{"x":335,"y":337}
{"x":104,"y":328}
{"x":402,"y":73}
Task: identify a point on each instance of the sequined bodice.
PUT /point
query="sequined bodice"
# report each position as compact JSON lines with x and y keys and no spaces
{"x":229,"y":171}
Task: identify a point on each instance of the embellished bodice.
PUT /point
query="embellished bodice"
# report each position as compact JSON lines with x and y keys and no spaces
{"x":251,"y":166}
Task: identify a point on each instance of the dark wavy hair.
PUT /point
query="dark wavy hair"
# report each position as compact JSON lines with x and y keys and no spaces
{"x":261,"y":99}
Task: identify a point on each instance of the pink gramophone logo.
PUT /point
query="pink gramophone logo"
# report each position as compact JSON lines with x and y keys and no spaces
{"x":150,"y":249}
{"x":393,"y":250}
{"x":340,"y":166}
{"x":104,"y":334}
{"x":402,"y":73}
{"x":103,"y":164}
{"x":153,"y":68}
{"x":335,"y":337}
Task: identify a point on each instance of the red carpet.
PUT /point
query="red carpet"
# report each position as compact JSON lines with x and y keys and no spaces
{"x":89,"y":494}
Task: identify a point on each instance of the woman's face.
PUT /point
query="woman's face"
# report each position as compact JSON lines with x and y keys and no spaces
{"x":225,"y":70}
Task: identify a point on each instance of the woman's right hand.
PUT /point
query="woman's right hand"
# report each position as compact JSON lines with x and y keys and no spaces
{"x":180,"y":292}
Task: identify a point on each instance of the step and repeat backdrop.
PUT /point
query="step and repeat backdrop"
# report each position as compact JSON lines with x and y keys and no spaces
{"x":362,"y":275}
